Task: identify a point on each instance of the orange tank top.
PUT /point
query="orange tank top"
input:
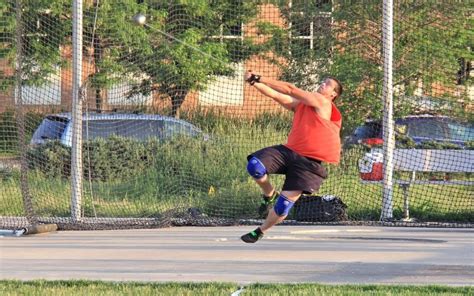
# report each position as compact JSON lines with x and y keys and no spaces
{"x":315,"y":137}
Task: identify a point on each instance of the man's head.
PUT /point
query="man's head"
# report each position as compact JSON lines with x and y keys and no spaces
{"x":330,"y":88}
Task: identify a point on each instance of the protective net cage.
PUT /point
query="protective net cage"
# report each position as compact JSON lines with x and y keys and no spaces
{"x":156,"y":127}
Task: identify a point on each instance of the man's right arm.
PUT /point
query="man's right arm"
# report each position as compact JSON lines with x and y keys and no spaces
{"x":286,"y":101}
{"x":288,"y":95}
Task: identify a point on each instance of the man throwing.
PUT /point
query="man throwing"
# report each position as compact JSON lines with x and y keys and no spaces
{"x":314,"y":138}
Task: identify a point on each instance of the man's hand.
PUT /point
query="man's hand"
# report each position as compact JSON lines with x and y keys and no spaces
{"x":248,"y":74}
{"x":286,"y":101}
{"x":251,"y":77}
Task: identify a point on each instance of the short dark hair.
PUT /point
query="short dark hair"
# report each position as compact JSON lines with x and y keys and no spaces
{"x":338,"y":87}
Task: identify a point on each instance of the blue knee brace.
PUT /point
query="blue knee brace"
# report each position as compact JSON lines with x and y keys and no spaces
{"x":283,"y":205}
{"x":256,"y":168}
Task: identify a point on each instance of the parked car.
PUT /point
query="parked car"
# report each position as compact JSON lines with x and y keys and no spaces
{"x":370,"y":133}
{"x":102,"y":125}
{"x":419,"y":128}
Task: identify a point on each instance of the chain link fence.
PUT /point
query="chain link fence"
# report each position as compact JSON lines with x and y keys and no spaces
{"x":140,"y":116}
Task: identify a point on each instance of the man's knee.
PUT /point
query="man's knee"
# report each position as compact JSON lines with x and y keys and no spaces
{"x":256,"y":168}
{"x":283,"y":205}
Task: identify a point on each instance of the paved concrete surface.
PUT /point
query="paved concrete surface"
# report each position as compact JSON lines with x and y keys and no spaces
{"x":323,"y":254}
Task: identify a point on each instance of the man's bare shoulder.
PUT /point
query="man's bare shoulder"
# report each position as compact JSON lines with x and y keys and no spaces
{"x":324,"y":109}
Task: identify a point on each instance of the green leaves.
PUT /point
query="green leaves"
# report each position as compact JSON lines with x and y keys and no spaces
{"x":429,"y":38}
{"x":178,"y":50}
{"x":175,"y":52}
{"x":44,"y":28}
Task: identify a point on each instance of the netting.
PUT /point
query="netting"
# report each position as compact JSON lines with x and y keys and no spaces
{"x":168,"y":120}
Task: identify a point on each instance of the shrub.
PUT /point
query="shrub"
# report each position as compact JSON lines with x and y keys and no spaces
{"x":111,"y":159}
{"x":405,"y":142}
{"x":438,"y":145}
{"x":114,"y":158}
{"x":52,"y":158}
{"x":9,"y":141}
{"x":118,"y":158}
{"x":470,"y":145}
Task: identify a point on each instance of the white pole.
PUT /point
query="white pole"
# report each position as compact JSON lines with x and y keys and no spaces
{"x":388,"y":133}
{"x":20,"y":115}
{"x":76,"y":153}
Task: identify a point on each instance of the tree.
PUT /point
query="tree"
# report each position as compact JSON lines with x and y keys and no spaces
{"x":429,"y":40}
{"x":44,"y":28}
{"x":176,"y":68}
{"x":146,"y":57}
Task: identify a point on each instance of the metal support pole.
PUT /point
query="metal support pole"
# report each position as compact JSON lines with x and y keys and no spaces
{"x":406,"y":201}
{"x":76,"y":153}
{"x":388,"y":130}
{"x":406,"y":197}
{"x":20,"y":117}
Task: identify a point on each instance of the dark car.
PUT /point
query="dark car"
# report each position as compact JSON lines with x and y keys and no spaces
{"x":370,"y":133}
{"x":419,"y":128}
{"x":102,"y":125}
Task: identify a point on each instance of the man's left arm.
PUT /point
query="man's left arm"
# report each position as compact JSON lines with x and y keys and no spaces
{"x":315,"y":100}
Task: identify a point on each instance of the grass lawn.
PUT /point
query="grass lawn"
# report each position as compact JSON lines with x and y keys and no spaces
{"x":152,"y":193}
{"x":133,"y":288}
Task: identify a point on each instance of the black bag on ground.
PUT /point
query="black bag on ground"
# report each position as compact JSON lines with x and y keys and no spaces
{"x":327,"y":208}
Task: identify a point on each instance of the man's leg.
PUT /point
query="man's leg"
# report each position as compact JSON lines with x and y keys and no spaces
{"x":267,"y":187}
{"x":277,"y":214}
{"x":274,"y":218}
{"x":269,"y":196}
{"x":258,"y":171}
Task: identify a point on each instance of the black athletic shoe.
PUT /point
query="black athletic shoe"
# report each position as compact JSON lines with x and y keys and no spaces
{"x":253,"y":236}
{"x":266,"y":205}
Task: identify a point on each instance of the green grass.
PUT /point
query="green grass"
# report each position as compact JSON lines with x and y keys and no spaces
{"x":152,"y":193}
{"x":350,"y":290}
{"x":59,"y":288}
{"x":8,"y":154}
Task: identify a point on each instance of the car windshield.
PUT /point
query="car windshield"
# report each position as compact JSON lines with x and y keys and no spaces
{"x":136,"y":129}
{"x":461,"y":132}
{"x":427,"y":129}
{"x":52,"y":128}
{"x":369,"y":130}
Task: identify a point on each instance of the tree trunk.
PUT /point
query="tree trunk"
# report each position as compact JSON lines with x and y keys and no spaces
{"x":177,"y":99}
{"x":100,"y":99}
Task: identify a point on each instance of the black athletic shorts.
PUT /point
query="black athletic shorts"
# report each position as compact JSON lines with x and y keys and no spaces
{"x":302,"y":173}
